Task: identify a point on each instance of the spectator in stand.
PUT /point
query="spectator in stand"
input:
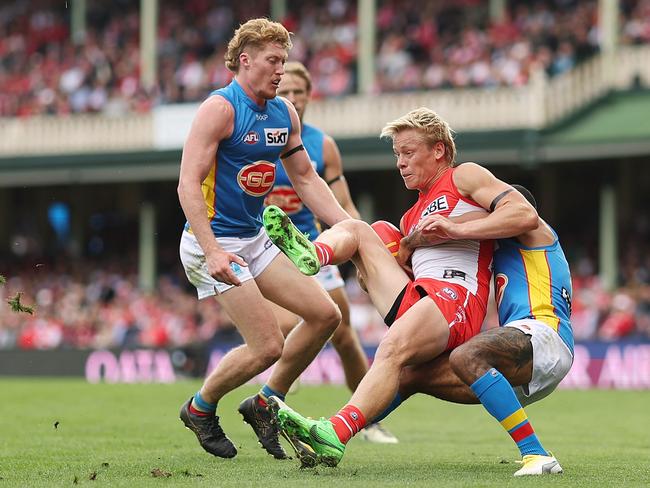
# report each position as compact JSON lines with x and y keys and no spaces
{"x":90,"y":306}
{"x":636,"y":24}
{"x":420,"y":45}
{"x":98,"y":309}
{"x":454,"y":44}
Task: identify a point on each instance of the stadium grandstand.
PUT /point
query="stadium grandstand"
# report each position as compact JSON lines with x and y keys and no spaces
{"x":96,"y":98}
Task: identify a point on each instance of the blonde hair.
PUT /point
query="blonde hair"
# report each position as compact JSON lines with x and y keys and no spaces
{"x":296,"y":68}
{"x":432,"y":127}
{"x":255,"y":33}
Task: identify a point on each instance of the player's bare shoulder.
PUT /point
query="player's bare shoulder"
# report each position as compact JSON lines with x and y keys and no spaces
{"x":469,"y":169}
{"x":469,"y":176}
{"x":217,"y":115}
{"x":329,"y":144}
{"x":217,"y":105}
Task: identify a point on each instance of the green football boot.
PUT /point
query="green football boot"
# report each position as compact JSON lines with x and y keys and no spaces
{"x":290,"y":240}
{"x":318,"y":434}
{"x":304,"y":452}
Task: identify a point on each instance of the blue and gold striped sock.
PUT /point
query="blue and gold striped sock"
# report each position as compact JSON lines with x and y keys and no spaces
{"x":266,"y":392}
{"x":499,"y":399}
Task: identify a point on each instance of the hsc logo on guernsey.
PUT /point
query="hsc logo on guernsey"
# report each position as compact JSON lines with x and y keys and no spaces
{"x":257,"y":179}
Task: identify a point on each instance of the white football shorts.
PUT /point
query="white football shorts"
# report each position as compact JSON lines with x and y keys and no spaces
{"x":257,"y":251}
{"x":552,"y":360}
{"x":330,"y":277}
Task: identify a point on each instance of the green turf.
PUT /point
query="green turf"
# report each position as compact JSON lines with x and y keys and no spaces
{"x":118,"y":434}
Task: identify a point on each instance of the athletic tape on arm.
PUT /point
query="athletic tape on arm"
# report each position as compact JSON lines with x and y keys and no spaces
{"x":498,"y":198}
{"x":292,"y":151}
{"x":335,"y":179}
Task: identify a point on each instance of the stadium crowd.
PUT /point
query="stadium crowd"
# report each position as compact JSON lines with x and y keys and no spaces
{"x":90,"y":307}
{"x":421,"y":45}
{"x":99,"y":305}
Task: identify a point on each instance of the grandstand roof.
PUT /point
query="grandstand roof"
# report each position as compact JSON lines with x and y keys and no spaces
{"x":614,"y":118}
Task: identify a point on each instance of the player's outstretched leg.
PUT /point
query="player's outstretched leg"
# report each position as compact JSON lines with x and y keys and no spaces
{"x":259,"y":418}
{"x":318,"y":434}
{"x":208,"y":431}
{"x":290,"y":240}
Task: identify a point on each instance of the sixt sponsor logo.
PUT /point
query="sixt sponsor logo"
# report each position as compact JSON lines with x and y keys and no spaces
{"x":276,"y":137}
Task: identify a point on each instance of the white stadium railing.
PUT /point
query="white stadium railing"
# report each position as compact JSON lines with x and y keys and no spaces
{"x":541,"y":102}
{"x":75,"y":134}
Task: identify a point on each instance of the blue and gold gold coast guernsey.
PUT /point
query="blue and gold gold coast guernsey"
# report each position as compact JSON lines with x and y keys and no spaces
{"x":283,"y":194}
{"x":534,"y":283}
{"x":245,"y":164}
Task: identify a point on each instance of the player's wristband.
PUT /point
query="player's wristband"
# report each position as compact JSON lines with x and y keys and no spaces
{"x":292,"y":151}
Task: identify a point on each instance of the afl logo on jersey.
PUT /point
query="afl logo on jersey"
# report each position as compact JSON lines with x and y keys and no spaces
{"x":252,"y":137}
{"x":257,"y":179}
{"x":286,"y":198}
{"x":450,"y":293}
{"x":500,"y":283}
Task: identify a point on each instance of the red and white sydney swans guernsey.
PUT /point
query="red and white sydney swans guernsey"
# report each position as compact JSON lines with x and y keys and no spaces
{"x":462,"y":264}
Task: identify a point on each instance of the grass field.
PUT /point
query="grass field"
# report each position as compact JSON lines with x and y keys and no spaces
{"x":116,"y":435}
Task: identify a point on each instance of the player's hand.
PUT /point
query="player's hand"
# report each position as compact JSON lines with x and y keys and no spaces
{"x":220,"y":266}
{"x":404,"y":254}
{"x":439,"y":227}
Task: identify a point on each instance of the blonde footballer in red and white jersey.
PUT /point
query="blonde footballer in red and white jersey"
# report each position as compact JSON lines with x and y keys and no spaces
{"x":462,"y":266}
{"x":444,"y":305}
{"x":443,"y":261}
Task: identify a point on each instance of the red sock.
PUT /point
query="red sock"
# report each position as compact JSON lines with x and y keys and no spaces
{"x":347,"y":422}
{"x":324,"y":252}
{"x":200,"y":413}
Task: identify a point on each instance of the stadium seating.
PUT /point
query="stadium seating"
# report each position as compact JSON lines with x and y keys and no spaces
{"x":98,"y":305}
{"x":445,"y":45}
